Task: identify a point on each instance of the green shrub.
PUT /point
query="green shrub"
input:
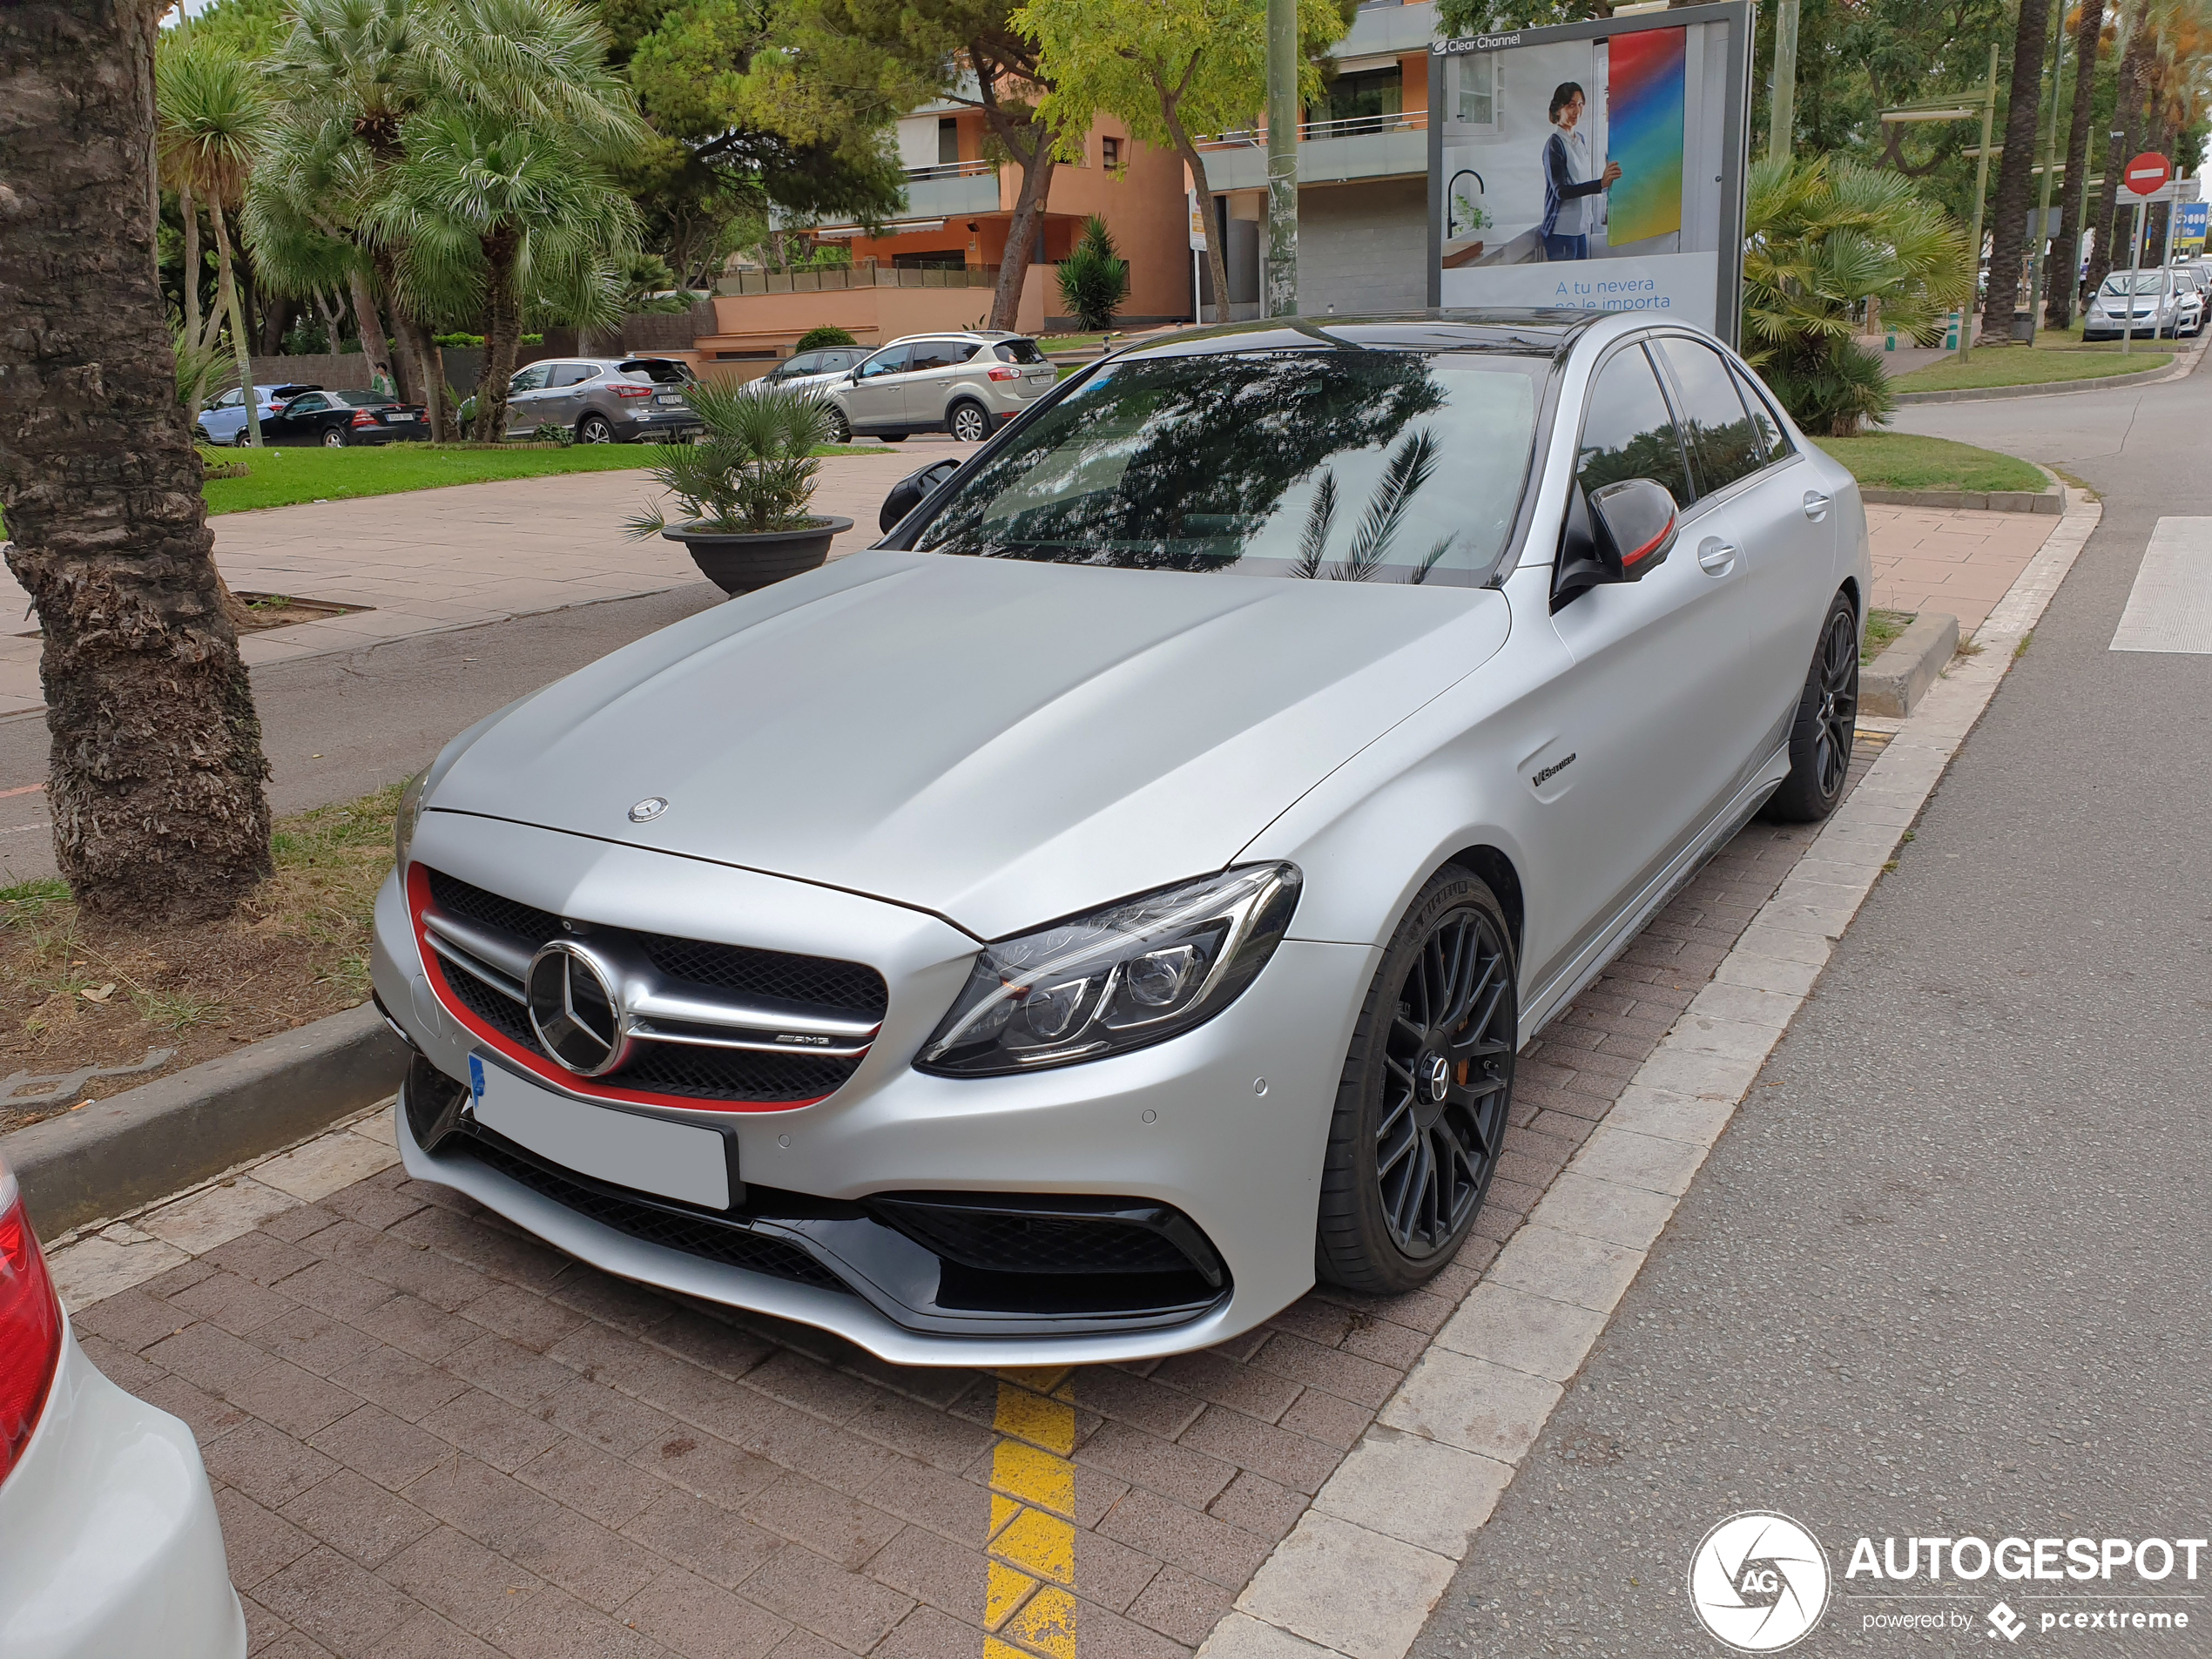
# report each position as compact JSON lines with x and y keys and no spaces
{"x":753,"y":471}
{"x":553,"y":432}
{"x":1093,"y":279}
{"x":825,"y":335}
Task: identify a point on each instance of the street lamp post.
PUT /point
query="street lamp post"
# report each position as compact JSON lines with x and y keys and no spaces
{"x":1952,"y":109}
{"x":1281,"y":159}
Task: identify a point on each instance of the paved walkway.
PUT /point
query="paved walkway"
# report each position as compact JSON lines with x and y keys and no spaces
{"x":1950,"y":559}
{"x":435,"y":559}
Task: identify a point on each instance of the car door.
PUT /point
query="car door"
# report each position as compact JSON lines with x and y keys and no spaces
{"x":1644,"y":748}
{"x":220,"y":420}
{"x":299,"y":421}
{"x":928,"y":384}
{"x":874,"y":399}
{"x":562,"y":402}
{"x":1752,"y":496}
{"x":526,"y":397}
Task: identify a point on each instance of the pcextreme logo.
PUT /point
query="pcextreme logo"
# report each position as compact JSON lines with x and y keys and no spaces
{"x":1759,"y":1582}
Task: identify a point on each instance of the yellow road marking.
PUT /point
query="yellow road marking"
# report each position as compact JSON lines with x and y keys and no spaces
{"x":1031,"y":1540}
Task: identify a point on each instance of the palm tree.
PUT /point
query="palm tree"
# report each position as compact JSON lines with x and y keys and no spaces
{"x":512,"y":214}
{"x":156,"y":780}
{"x":212,"y":118}
{"x":1822,"y":236}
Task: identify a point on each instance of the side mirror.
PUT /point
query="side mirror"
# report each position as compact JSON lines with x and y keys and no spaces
{"x":908,"y":492}
{"x":1616,"y":533}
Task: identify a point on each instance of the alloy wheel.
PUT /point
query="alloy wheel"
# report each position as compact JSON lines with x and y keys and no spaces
{"x":595,"y":430}
{"x":969,"y":424}
{"x":1447,"y":1076}
{"x":335,"y":438}
{"x":1838,"y":717}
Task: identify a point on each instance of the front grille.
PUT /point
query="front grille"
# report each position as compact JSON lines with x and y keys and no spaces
{"x":681,"y":1070}
{"x":693,"y":1235}
{"x":1037,"y":1244}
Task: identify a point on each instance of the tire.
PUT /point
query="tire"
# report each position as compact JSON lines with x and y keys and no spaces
{"x":1821,"y":736}
{"x":840,"y":429}
{"x":890,"y":437}
{"x":593,"y":428}
{"x":1406,"y":1171}
{"x":241,"y":441}
{"x":969,"y":423}
{"x":334,"y":437}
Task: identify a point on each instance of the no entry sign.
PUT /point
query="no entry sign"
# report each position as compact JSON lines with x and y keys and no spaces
{"x":2148,"y":172}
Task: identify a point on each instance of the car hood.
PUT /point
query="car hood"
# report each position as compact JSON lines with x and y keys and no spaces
{"x":998,"y":742}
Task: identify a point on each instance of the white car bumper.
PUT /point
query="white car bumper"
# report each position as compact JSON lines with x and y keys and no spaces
{"x":109,"y":1543}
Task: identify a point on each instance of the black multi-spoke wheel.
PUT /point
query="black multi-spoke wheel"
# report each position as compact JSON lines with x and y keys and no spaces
{"x":1421,"y":1109}
{"x":1827,"y":723}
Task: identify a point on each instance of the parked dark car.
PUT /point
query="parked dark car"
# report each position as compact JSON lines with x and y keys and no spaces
{"x":224,"y":420}
{"x":604,"y":399}
{"x":336,"y":418}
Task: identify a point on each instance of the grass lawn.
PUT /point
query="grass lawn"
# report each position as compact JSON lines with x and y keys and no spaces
{"x":1901,"y":461}
{"x":1882,"y":627}
{"x":282,"y":476}
{"x":2008,"y":366}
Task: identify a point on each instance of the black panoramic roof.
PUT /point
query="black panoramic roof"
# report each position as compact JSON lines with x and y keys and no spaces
{"x":1546,"y":332}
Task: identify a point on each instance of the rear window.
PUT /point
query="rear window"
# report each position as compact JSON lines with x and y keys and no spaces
{"x":658,"y":371}
{"x":1019,"y":351}
{"x":360,"y":399}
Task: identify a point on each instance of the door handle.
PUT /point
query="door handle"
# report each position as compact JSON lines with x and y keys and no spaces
{"x":1714,"y":557}
{"x":1816,"y":505}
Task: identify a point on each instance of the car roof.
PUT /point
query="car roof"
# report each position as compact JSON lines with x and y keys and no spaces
{"x":986,"y":336}
{"x":1550,"y":333}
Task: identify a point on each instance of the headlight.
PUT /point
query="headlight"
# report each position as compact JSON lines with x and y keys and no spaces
{"x":1133,"y":973}
{"x":410,"y":813}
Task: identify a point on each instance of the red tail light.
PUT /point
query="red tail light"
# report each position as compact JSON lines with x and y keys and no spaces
{"x":633,"y":391}
{"x":1006,"y":374}
{"x":31,"y":1327}
{"x":363,"y":417}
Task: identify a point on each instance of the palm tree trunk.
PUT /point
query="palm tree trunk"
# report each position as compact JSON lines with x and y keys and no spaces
{"x":2015,"y":174}
{"x":227,"y":292}
{"x":189,"y":211}
{"x":2062,"y":271}
{"x":427,"y":382}
{"x":502,"y":334}
{"x":2129,"y":113}
{"x":157,"y":776}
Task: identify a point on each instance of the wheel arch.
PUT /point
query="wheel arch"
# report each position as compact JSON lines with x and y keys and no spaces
{"x":1497,"y":872}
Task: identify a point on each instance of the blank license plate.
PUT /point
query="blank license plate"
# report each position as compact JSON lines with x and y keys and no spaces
{"x":650,"y":1154}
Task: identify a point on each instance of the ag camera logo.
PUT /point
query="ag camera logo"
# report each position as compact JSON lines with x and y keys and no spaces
{"x":1759,"y":1582}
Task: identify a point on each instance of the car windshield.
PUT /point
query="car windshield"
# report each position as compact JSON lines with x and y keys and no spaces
{"x":659,"y":370}
{"x":1384,"y":466}
{"x":2146,"y":282}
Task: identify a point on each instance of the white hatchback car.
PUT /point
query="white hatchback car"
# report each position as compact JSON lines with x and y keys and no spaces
{"x":109,"y":1543}
{"x":1059,"y":933}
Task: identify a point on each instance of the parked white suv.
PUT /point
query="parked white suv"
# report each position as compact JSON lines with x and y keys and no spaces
{"x":967,"y":384}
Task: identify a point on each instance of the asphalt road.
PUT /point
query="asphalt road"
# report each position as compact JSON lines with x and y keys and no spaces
{"x":1946,"y":1274}
{"x":338,"y":727}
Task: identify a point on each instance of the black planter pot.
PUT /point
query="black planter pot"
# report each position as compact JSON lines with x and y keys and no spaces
{"x":740,"y":564}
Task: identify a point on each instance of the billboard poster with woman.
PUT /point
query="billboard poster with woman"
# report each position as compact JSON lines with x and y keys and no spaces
{"x":1598,"y":166}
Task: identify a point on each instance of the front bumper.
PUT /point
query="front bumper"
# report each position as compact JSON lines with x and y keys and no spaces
{"x":112,"y":1545}
{"x":1182,"y":1124}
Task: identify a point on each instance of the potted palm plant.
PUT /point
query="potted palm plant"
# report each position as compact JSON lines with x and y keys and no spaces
{"x":744,"y":488}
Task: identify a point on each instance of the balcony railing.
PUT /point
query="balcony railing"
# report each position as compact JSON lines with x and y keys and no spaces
{"x":953,"y":170}
{"x":1351,"y":126}
{"x":836,"y":278}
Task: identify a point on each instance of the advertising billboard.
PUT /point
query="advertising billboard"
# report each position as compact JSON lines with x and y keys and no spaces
{"x":1595,"y":166}
{"x":2189,"y":227}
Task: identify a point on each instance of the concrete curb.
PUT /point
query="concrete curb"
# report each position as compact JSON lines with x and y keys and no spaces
{"x":1897,"y":679}
{"x":1378,"y":1547}
{"x":2052,"y":502}
{"x":1987,"y":394}
{"x":119,"y":1153}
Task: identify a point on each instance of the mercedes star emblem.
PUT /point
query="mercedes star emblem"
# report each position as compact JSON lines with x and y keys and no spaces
{"x":1440,"y":1076}
{"x":574,"y":1009}
{"x":648,"y":809}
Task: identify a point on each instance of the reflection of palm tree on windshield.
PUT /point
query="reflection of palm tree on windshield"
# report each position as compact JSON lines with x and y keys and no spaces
{"x":1408,"y":469}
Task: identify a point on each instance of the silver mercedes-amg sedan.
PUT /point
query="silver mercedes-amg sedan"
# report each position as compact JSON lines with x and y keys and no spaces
{"x":1065,"y":930}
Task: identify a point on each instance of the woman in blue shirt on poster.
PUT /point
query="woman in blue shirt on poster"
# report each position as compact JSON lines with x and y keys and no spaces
{"x":1569,"y":210}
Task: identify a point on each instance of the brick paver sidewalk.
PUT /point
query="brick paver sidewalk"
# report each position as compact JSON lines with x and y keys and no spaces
{"x":433,"y":1436}
{"x":1953,"y":560}
{"x":467,"y":554}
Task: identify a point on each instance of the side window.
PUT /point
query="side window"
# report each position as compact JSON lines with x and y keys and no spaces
{"x":942,"y":353}
{"x":568,"y":374}
{"x":232,"y":399}
{"x":1630,"y":431}
{"x":836,"y":362}
{"x":531,"y":379}
{"x":1722,"y":441}
{"x":1774,"y":441}
{"x":307,"y":405}
{"x":805,"y":363}
{"x":890,"y":361}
